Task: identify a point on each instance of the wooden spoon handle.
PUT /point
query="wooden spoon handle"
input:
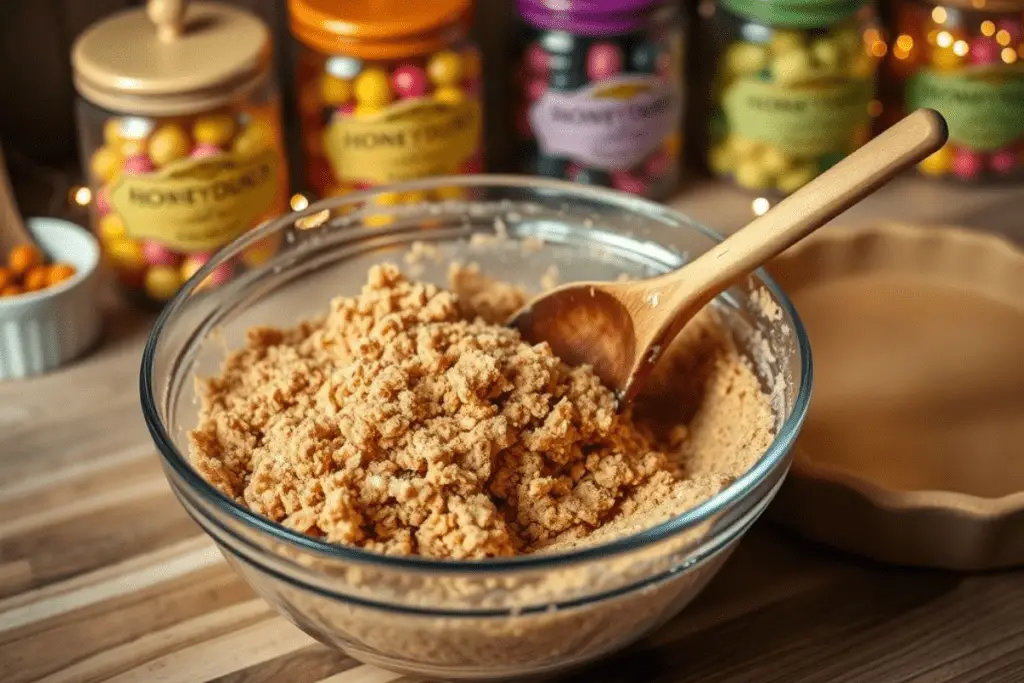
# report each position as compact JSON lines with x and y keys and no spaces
{"x":819,"y":201}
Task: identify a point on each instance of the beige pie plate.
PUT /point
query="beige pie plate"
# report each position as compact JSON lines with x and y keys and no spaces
{"x":913,"y":449}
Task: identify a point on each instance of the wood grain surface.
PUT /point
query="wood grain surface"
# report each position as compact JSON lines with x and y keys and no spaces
{"x":103,"y":577}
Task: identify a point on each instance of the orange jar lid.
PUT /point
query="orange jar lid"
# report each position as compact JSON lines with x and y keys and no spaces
{"x":378,"y":29}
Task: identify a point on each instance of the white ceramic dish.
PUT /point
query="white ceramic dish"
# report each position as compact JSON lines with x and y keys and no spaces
{"x":43,"y":330}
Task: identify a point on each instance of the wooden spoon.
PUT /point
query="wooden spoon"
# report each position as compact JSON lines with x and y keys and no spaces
{"x":12,"y":227}
{"x":620,"y":328}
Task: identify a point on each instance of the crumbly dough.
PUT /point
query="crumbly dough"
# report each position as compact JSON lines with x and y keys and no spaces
{"x":407,"y":420}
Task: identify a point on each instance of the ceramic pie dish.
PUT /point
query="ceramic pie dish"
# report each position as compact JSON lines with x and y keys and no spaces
{"x":912,"y":451}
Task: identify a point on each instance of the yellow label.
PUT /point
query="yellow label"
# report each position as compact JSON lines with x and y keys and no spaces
{"x":408,"y":140}
{"x":197,"y":204}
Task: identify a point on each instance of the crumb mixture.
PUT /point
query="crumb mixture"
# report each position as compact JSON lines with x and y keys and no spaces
{"x":407,"y":420}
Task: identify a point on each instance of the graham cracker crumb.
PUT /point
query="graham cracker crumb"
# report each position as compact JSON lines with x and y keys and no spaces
{"x":406,"y":421}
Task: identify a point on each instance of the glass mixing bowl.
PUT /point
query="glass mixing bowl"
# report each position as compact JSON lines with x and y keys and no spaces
{"x":490,"y":619}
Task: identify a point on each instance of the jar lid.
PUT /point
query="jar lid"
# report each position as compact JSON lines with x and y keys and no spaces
{"x":172,"y":58}
{"x":588,"y":16}
{"x":795,"y":13}
{"x":377,"y":29}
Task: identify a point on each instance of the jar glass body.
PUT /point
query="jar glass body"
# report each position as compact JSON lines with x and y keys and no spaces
{"x":789,"y":102}
{"x":968,"y":65}
{"x":603,"y":106}
{"x":168,"y":191}
{"x":372,"y":122}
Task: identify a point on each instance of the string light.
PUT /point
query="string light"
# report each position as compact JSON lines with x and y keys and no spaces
{"x":1003,"y":37}
{"x":988,"y":28}
{"x":760,"y":206}
{"x":960,"y":48}
{"x":298,"y":202}
{"x":905,"y":42}
{"x":1009,"y":55}
{"x":878,"y":48}
{"x":939,"y":15}
{"x":82,"y":196}
{"x":875,"y":108}
{"x":945,"y":39}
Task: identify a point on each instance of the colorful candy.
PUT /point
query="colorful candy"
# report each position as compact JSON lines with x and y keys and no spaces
{"x":811,"y":77}
{"x":162,"y":282}
{"x":169,"y":143}
{"x":445,"y":68}
{"x":965,"y":62}
{"x":373,"y":89}
{"x":600,"y":99}
{"x":28,"y":271}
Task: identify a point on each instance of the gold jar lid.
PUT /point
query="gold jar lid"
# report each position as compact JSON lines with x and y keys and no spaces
{"x":172,"y":58}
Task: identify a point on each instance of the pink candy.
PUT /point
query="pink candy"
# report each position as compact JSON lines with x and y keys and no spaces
{"x":657,"y":164}
{"x":157,"y":254}
{"x":221,"y":273}
{"x":628,"y":183}
{"x":1003,"y":160}
{"x":537,"y":59}
{"x":536,"y":88}
{"x":409,"y":81}
{"x":204,"y":150}
{"x":346,"y":109}
{"x":138,"y":163}
{"x":102,"y":201}
{"x":967,"y":163}
{"x":984,"y":51}
{"x":603,"y":61}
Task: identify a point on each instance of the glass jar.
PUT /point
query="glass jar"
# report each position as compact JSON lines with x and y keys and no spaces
{"x":600,"y":86}
{"x":966,"y":61}
{"x":388,"y":91}
{"x":793,"y":89}
{"x":180,"y":133}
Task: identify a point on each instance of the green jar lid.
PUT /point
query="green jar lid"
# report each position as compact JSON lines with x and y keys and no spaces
{"x":795,"y":13}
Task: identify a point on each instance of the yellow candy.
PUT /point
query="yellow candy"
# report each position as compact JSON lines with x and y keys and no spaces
{"x":775,"y":161}
{"x":445,"y":68}
{"x":112,"y":132}
{"x":751,"y":175}
{"x":256,"y":137}
{"x":742,"y":58}
{"x":792,"y":67}
{"x":786,"y":41}
{"x":721,"y":159}
{"x":214,"y":130}
{"x":162,"y":282}
{"x":451,"y":192}
{"x":827,"y":54}
{"x":111,"y":227}
{"x":373,"y":88}
{"x":378,"y":220}
{"x":189,"y":267}
{"x":938,"y":163}
{"x":334,"y":91}
{"x":744,"y":147}
{"x":105,"y":164}
{"x":168,"y":143}
{"x":793,"y":180}
{"x":126,"y":253}
{"x":449,"y":94}
{"x":131,"y":147}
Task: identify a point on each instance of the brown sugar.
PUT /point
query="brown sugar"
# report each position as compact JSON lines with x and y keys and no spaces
{"x":407,"y":420}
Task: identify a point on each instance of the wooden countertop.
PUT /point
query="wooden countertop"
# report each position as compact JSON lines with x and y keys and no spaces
{"x":104,"y":577}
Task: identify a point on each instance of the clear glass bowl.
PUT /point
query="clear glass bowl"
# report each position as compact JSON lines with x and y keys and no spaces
{"x":491,"y":619}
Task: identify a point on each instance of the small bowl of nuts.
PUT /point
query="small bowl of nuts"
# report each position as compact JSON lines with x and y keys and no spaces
{"x":48,"y":308}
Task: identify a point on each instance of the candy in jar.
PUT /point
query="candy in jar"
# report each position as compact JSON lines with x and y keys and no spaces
{"x":600,"y":91}
{"x":966,"y":61}
{"x":388,"y":91}
{"x":181,"y":140}
{"x":792,"y":90}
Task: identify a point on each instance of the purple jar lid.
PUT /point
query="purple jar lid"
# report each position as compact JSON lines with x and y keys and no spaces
{"x":588,"y":16}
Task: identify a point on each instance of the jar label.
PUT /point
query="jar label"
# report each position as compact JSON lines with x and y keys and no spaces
{"x":197,"y":204}
{"x":984,"y":110}
{"x":808,"y":121}
{"x":408,"y":140}
{"x":611,"y":125}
